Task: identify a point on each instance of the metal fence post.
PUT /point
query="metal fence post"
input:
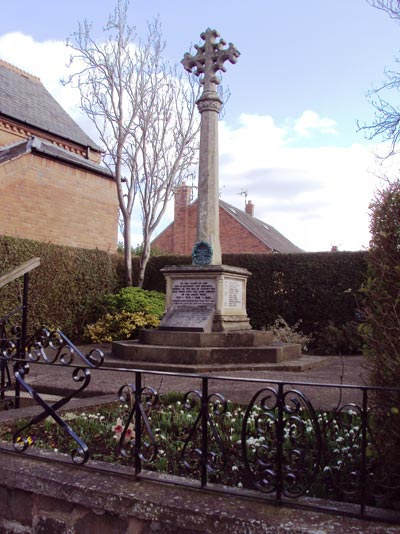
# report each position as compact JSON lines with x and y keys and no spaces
{"x":364,"y":444}
{"x":138,"y":422}
{"x":204,"y":431}
{"x":279,"y":444}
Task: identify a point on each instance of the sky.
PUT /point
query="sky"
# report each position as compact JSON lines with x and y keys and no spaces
{"x":289,"y":140}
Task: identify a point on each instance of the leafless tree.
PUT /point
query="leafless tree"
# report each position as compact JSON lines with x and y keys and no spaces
{"x":391,"y":7}
{"x":386,"y":124}
{"x":144,"y":113}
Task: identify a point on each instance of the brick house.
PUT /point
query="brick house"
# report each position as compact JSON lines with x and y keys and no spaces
{"x":240,"y":232}
{"x":52,"y":185}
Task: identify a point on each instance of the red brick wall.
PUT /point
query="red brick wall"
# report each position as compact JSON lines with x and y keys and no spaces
{"x":47,"y":201}
{"x":235,"y":239}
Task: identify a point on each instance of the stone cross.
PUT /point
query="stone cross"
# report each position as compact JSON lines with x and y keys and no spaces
{"x":208,"y":61}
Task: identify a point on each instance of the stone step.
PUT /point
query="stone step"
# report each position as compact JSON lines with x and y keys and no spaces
{"x":304,"y":363}
{"x":244,"y":338}
{"x":135,"y":351}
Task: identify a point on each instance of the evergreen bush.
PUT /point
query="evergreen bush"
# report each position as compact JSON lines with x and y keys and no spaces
{"x":124,"y":313}
{"x":381,"y":291}
{"x":134,"y":299}
{"x":381,"y":328}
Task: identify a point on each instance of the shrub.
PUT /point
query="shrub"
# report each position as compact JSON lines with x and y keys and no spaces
{"x":342,"y":339}
{"x":124,"y":313}
{"x":289,"y":334}
{"x":134,"y":299}
{"x":381,"y":329}
{"x":121,"y":325}
{"x":382,"y":289}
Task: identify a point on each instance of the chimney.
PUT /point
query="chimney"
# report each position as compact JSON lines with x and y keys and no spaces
{"x":181,"y":220}
{"x":250,"y":208}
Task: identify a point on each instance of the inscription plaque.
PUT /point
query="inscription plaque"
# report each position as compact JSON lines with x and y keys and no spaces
{"x":233,"y":293}
{"x":189,"y":318}
{"x":193,"y":291}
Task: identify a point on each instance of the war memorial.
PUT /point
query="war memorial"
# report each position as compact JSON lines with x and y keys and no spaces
{"x":205,"y":326}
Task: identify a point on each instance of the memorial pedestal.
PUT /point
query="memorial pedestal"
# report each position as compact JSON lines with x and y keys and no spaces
{"x":205,"y":326}
{"x":208,"y":298}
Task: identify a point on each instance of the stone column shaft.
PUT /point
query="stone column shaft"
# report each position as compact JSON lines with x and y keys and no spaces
{"x":207,"y":62}
{"x":208,"y":193}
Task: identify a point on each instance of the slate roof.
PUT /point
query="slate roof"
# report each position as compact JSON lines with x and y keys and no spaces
{"x":263,"y":231}
{"x":24,"y":98}
{"x":44,"y":148}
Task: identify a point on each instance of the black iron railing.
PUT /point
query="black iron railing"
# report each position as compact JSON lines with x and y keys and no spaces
{"x":13,"y":330}
{"x":281,"y":441}
{"x":319,"y":446}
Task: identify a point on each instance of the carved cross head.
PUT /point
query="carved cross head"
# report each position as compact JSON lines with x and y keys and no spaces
{"x":210,"y":57}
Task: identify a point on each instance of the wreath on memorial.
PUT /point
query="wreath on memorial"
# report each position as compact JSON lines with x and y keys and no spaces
{"x":202,"y":253}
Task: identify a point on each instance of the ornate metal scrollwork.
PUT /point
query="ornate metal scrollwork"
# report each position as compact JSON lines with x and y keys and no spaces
{"x":342,"y":458}
{"x":192,"y":450}
{"x":281,"y":442}
{"x":52,"y":347}
{"x":64,"y":351}
{"x":259,"y":440}
{"x":138,"y":441}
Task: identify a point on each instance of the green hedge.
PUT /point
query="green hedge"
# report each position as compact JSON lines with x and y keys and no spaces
{"x":64,"y":287}
{"x":318,"y":288}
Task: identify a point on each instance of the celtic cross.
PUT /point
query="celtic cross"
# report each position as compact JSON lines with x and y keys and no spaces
{"x":208,"y":61}
{"x":210,"y":58}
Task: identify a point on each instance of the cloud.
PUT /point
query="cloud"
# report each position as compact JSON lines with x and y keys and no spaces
{"x":317,"y":196}
{"x":280,"y":181}
{"x":310,"y":122}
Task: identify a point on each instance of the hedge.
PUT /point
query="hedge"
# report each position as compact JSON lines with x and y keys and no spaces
{"x":320,"y":289}
{"x":63,"y":289}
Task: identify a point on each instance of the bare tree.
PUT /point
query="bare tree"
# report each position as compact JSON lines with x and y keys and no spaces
{"x":386,"y":123}
{"x":391,"y":7}
{"x":143,"y":112}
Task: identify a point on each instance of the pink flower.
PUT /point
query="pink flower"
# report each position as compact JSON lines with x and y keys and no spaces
{"x":118,"y":428}
{"x":130,"y":433}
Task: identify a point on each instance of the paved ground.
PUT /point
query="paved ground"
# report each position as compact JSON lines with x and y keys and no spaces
{"x":238,"y":386}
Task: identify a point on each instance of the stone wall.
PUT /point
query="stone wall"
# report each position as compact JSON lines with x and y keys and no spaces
{"x":41,"y":496}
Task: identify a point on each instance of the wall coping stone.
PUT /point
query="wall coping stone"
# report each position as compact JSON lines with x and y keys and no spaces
{"x":183,"y":508}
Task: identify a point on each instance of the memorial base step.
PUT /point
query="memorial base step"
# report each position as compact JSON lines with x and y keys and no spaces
{"x":135,"y":351}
